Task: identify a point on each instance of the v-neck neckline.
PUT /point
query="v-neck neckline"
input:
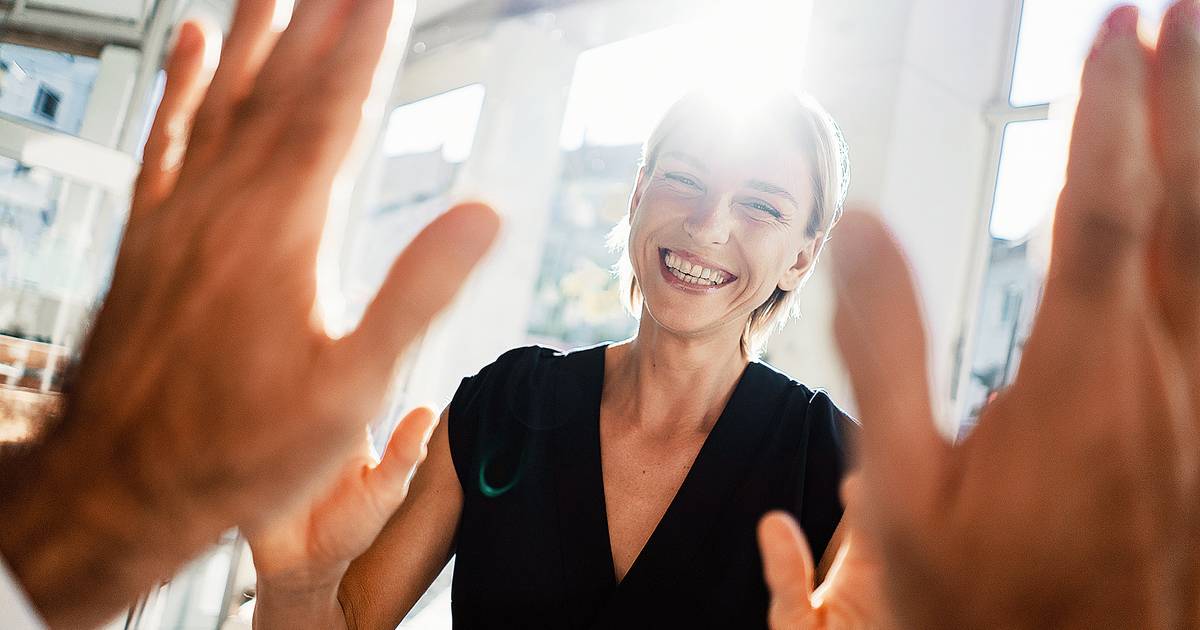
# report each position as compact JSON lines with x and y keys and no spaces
{"x":685,"y":527}
{"x":700,"y":468}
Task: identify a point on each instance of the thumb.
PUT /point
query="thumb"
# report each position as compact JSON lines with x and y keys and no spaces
{"x":405,"y":451}
{"x":788,"y":568}
{"x":881,"y":334}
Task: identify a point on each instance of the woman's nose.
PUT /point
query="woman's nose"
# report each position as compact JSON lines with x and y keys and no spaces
{"x":708,"y":224}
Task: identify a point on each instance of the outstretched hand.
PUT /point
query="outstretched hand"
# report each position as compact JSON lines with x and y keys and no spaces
{"x":850,"y":596}
{"x":314,"y":544}
{"x":209,"y":394}
{"x":1074,"y":502}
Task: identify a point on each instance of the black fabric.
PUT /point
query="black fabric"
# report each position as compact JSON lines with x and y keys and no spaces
{"x":532,"y":548}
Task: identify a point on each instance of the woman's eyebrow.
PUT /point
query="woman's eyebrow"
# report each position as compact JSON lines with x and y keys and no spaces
{"x":689,"y":159}
{"x":771,"y":189}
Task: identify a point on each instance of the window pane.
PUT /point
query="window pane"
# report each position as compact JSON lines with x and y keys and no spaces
{"x":1032,"y":168}
{"x":1054,"y":40}
{"x":576,"y":300}
{"x":424,"y":144}
{"x":1012,"y":289}
{"x":58,"y":241}
{"x":599,"y":110}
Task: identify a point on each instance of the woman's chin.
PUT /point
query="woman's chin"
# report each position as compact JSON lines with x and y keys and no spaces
{"x":685,"y":323}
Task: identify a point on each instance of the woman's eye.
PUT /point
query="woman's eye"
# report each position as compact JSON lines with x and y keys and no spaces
{"x":763,"y":206}
{"x":683,"y":179}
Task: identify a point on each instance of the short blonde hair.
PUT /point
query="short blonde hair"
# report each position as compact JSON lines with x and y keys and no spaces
{"x":822,"y":140}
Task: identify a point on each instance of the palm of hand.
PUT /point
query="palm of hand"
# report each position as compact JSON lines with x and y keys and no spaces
{"x":1074,"y":502}
{"x":849,"y":597}
{"x":210,"y":335}
{"x":319,"y":539}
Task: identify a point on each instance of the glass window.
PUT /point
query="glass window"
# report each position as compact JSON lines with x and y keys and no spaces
{"x":58,"y":242}
{"x":424,"y":145}
{"x":46,"y":87}
{"x":576,"y":299}
{"x":1033,"y":164}
{"x":1054,"y":40}
{"x":1031,"y":175}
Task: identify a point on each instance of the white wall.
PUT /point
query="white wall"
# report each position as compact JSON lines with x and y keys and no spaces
{"x":526,"y":68}
{"x":910,"y":82}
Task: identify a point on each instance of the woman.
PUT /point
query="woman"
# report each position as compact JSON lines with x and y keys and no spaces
{"x":619,"y":485}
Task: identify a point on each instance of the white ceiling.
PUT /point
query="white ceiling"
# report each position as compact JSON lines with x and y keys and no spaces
{"x":430,"y":10}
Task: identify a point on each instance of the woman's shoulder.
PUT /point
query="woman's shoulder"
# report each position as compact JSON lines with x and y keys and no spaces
{"x":526,"y":365}
{"x":524,"y":377}
{"x":815,"y":400}
{"x":813,"y":403}
{"x":524,"y":390}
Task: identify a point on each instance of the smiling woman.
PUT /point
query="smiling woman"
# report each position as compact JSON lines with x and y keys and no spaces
{"x":621,"y":484}
{"x":794,"y":167}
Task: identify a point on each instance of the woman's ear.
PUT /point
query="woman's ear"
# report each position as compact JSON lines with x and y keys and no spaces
{"x":639,"y":187}
{"x":803,"y":265}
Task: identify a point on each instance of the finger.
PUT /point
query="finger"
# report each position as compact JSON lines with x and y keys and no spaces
{"x":1176,"y":90}
{"x":314,"y":28}
{"x":421,"y":283}
{"x":405,"y":451}
{"x":881,"y":334}
{"x":788,"y":570}
{"x":361,"y":64}
{"x":188,"y":75}
{"x":251,"y":37}
{"x":1102,"y":223}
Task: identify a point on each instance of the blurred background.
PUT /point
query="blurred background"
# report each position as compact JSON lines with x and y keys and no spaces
{"x":956,"y":113}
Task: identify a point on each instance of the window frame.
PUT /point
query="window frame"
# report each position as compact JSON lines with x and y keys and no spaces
{"x":997,"y":117}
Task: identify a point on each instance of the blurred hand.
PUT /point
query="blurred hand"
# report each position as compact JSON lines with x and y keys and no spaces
{"x":851,"y":595}
{"x":310,"y":547}
{"x":209,"y":394}
{"x":1074,"y":501}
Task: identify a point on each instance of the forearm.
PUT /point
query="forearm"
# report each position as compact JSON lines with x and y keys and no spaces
{"x":314,"y":605}
{"x":82,"y":538}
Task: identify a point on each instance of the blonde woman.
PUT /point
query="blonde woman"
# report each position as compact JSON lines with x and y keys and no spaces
{"x":618,"y":485}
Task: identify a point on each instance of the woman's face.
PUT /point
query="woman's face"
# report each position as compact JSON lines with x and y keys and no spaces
{"x":717,"y":226}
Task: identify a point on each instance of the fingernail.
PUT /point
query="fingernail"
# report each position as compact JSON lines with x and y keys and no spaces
{"x":1122,"y":22}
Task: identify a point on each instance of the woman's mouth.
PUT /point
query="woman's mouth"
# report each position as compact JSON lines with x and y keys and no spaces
{"x":688,"y":273}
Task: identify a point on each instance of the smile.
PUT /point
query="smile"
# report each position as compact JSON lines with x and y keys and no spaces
{"x":690,"y":273}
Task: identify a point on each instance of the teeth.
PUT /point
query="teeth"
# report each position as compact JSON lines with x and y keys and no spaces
{"x":694,"y":274}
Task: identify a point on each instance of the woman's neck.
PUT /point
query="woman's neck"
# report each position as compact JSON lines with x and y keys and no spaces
{"x":671,"y":386}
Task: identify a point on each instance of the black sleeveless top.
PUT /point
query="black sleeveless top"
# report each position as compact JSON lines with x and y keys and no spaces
{"x":532,"y":548}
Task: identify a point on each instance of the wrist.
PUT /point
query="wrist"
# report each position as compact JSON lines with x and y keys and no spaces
{"x":288,"y":602}
{"x":81,"y":533}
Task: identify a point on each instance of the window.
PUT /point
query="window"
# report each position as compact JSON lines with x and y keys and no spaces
{"x":576,"y":299}
{"x":1033,"y":162}
{"x":1053,"y":40}
{"x":49,"y":282}
{"x":424,"y":145}
{"x":46,"y":87}
{"x":46,"y":103}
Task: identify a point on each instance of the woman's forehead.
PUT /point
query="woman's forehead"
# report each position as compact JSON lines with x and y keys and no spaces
{"x":750,"y":155}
